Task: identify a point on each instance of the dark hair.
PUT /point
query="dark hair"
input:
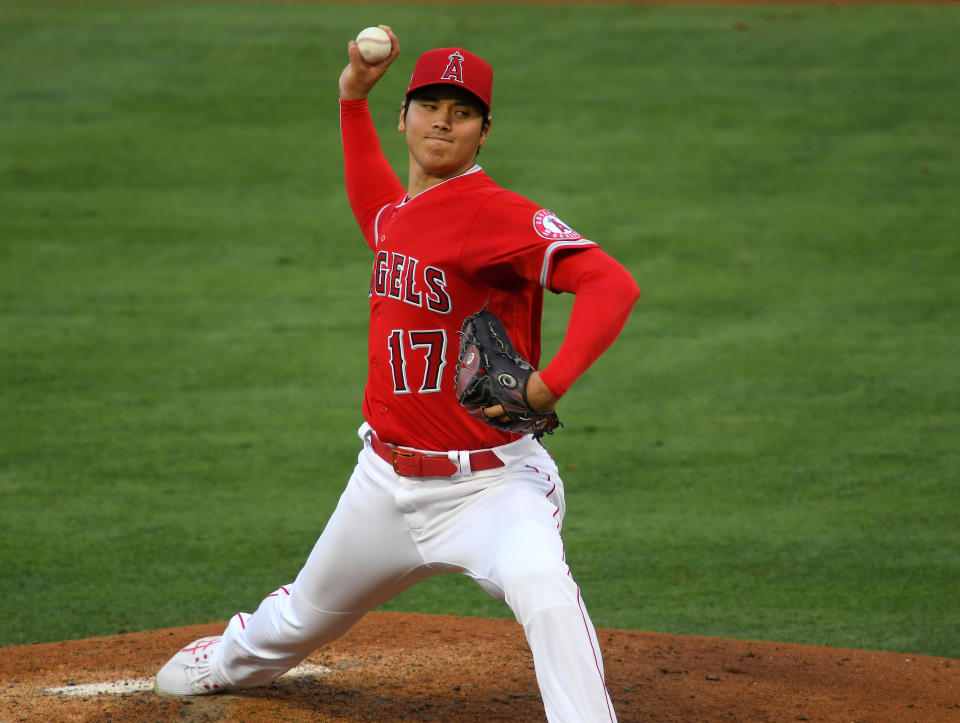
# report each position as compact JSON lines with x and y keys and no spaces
{"x":452,"y":91}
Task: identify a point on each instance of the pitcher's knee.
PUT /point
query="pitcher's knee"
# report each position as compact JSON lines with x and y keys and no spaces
{"x":532,"y":572}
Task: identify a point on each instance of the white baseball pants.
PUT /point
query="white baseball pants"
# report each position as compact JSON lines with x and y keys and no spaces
{"x":501,"y":527}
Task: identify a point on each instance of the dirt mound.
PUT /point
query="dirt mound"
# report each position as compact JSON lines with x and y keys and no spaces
{"x":402,"y":667}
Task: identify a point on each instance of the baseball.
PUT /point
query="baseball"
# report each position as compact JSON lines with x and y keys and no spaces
{"x":374,"y":44}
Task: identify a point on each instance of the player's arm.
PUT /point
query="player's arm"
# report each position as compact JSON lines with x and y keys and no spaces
{"x":371,"y":182}
{"x":605,"y":294}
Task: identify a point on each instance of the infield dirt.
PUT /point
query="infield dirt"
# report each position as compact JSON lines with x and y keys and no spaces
{"x":410,"y":667}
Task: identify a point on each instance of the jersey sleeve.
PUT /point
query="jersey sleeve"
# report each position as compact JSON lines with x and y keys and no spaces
{"x":370,"y":181}
{"x":512,"y":240}
{"x":605,"y":294}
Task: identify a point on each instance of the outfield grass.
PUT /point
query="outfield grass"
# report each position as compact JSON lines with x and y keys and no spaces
{"x":769,"y":452}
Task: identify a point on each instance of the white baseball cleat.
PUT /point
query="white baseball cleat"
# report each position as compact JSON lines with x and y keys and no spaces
{"x":188,"y":672}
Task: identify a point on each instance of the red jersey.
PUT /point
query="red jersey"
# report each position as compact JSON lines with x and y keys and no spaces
{"x":439,"y":257}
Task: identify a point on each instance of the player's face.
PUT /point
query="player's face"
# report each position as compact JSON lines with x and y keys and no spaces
{"x":444,"y":131}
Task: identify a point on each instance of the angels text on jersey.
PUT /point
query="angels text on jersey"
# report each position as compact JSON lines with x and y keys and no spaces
{"x":404,"y":278}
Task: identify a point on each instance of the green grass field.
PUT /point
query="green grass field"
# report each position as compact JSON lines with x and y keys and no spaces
{"x":769,"y":452}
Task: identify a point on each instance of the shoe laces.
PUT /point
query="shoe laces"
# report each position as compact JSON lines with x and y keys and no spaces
{"x":197,"y":668}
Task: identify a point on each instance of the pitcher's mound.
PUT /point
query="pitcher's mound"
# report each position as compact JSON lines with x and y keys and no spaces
{"x":406,"y":667}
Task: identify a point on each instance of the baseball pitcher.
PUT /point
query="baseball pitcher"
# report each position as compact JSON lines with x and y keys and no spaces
{"x":452,"y":475}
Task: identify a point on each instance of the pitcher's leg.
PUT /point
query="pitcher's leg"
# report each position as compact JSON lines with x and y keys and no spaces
{"x":569,"y":665}
{"x":257,"y":649}
{"x":363,"y":558}
{"x":545,"y":599}
{"x":508,"y":539}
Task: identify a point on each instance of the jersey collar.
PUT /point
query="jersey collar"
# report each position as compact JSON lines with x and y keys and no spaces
{"x":407,"y":198}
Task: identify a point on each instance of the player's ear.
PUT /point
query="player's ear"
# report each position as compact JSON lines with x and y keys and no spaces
{"x":485,"y":132}
{"x":402,"y":123}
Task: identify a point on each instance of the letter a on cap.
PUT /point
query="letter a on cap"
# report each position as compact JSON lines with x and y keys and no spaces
{"x":454,"y":69}
{"x":445,"y":65}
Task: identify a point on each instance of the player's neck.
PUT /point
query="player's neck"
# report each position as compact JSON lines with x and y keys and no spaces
{"x":421,"y":180}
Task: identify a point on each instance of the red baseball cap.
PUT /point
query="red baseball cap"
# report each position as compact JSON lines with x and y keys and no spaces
{"x":454,"y":66}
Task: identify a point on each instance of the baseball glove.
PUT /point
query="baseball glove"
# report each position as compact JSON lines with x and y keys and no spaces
{"x":491,"y":372}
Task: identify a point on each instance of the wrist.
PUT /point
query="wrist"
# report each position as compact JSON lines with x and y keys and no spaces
{"x":539,"y":395}
{"x":554,"y":389}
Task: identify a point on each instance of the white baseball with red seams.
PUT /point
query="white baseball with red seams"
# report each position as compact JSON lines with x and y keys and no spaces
{"x":373,"y":44}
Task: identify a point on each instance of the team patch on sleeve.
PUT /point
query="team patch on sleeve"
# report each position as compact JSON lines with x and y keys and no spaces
{"x":548,"y":225}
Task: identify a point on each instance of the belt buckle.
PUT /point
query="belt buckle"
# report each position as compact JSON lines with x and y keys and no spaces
{"x":395,"y":453}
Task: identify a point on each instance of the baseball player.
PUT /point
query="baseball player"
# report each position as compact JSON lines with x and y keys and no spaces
{"x":439,"y":488}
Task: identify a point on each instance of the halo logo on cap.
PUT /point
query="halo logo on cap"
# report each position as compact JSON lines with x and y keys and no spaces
{"x":454,"y":66}
{"x":454,"y":69}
